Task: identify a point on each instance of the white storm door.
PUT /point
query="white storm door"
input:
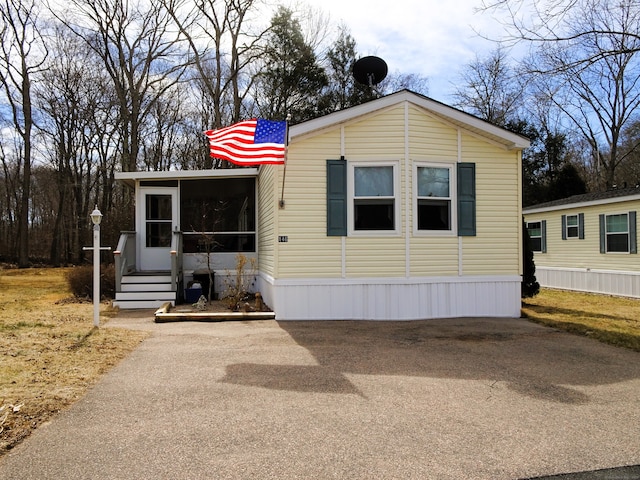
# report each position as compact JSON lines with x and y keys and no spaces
{"x":157,"y":220}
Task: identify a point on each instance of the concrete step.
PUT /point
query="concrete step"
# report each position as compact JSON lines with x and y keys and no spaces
{"x":147,"y":295}
{"x":145,"y":290}
{"x":146,"y":287}
{"x":135,"y":304}
{"x":156,"y":278}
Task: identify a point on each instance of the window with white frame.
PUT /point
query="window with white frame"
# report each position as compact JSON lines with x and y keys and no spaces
{"x":434,"y":192}
{"x":573,"y":230}
{"x":617,"y":233}
{"x":535,"y":235}
{"x":374,"y":197}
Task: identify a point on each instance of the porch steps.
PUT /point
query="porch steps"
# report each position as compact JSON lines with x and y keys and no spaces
{"x":145,"y":290}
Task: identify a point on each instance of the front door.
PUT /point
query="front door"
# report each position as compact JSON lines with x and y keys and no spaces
{"x":157,"y":220}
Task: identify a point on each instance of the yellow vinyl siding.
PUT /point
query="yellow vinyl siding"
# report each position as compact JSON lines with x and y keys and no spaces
{"x":496,"y":247}
{"x":430,"y":139}
{"x":267,"y":219}
{"x":376,"y":137}
{"x":583,"y":253}
{"x":380,"y":137}
{"x":310,"y":253}
{"x":375,"y":257}
{"x":434,"y":256}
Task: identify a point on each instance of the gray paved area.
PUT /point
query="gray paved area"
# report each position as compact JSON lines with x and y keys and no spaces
{"x":444,"y":399}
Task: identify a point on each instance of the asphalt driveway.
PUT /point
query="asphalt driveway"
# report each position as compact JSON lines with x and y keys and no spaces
{"x":438,"y":399}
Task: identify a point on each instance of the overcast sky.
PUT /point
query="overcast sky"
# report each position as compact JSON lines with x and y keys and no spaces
{"x":433,"y":38}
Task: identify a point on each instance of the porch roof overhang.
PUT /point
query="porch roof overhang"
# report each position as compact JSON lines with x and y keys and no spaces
{"x":131,"y":178}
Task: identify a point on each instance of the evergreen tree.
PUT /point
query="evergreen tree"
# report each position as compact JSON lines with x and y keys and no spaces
{"x":292,"y":77}
{"x":530,"y":286}
{"x":566,"y":183}
{"x":343,"y":91}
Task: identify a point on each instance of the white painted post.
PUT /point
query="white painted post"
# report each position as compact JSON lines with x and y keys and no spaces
{"x":96,"y":217}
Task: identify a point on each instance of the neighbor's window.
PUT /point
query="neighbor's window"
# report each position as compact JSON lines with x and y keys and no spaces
{"x":374,"y":202}
{"x":617,"y":233}
{"x":433,"y":198}
{"x":535,"y":235}
{"x":572,"y":226}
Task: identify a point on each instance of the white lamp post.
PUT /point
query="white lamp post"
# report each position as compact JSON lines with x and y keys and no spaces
{"x":96,"y":218}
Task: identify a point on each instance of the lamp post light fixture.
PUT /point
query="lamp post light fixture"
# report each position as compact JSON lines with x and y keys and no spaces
{"x":96,"y":218}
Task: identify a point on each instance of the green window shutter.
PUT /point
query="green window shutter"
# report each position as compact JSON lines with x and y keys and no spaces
{"x":633,"y":242}
{"x":603,"y":239}
{"x":336,"y":198}
{"x":543,"y":236}
{"x":564,"y":227}
{"x":466,"y":199}
{"x":581,"y":226}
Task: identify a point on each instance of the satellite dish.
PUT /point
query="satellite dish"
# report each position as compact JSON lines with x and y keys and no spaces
{"x":370,"y":70}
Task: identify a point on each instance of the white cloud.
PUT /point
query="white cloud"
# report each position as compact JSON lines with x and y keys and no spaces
{"x":433,"y":38}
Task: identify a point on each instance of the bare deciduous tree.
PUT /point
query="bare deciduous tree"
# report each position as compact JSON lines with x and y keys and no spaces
{"x":585,"y":57}
{"x":223,"y":48}
{"x":600,"y":97}
{"x":141,"y":53}
{"x":76,"y":115}
{"x":540,"y":22}
{"x":22,"y":55}
{"x":490,"y":89}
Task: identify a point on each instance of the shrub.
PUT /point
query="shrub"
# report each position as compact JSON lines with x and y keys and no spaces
{"x":238,"y":284}
{"x":80,"y":281}
{"x":530,"y":286}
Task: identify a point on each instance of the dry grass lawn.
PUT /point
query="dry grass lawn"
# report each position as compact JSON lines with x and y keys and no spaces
{"x":613,"y":320}
{"x":50,"y":354}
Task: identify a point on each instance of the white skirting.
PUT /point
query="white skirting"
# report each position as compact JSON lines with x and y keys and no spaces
{"x":611,"y":282}
{"x":392,"y":298}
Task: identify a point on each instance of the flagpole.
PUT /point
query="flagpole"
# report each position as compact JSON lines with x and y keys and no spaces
{"x":286,"y":152}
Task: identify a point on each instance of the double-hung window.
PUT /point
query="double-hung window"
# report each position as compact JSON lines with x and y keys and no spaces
{"x":572,"y":226}
{"x":374,"y":197}
{"x":617,"y":233}
{"x":536,"y":232}
{"x":434,"y":197}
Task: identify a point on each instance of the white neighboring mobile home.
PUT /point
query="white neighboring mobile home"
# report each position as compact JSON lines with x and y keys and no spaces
{"x":587,"y":242}
{"x":400,"y":208}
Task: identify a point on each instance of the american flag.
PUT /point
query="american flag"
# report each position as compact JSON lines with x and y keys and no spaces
{"x":252,"y":142}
